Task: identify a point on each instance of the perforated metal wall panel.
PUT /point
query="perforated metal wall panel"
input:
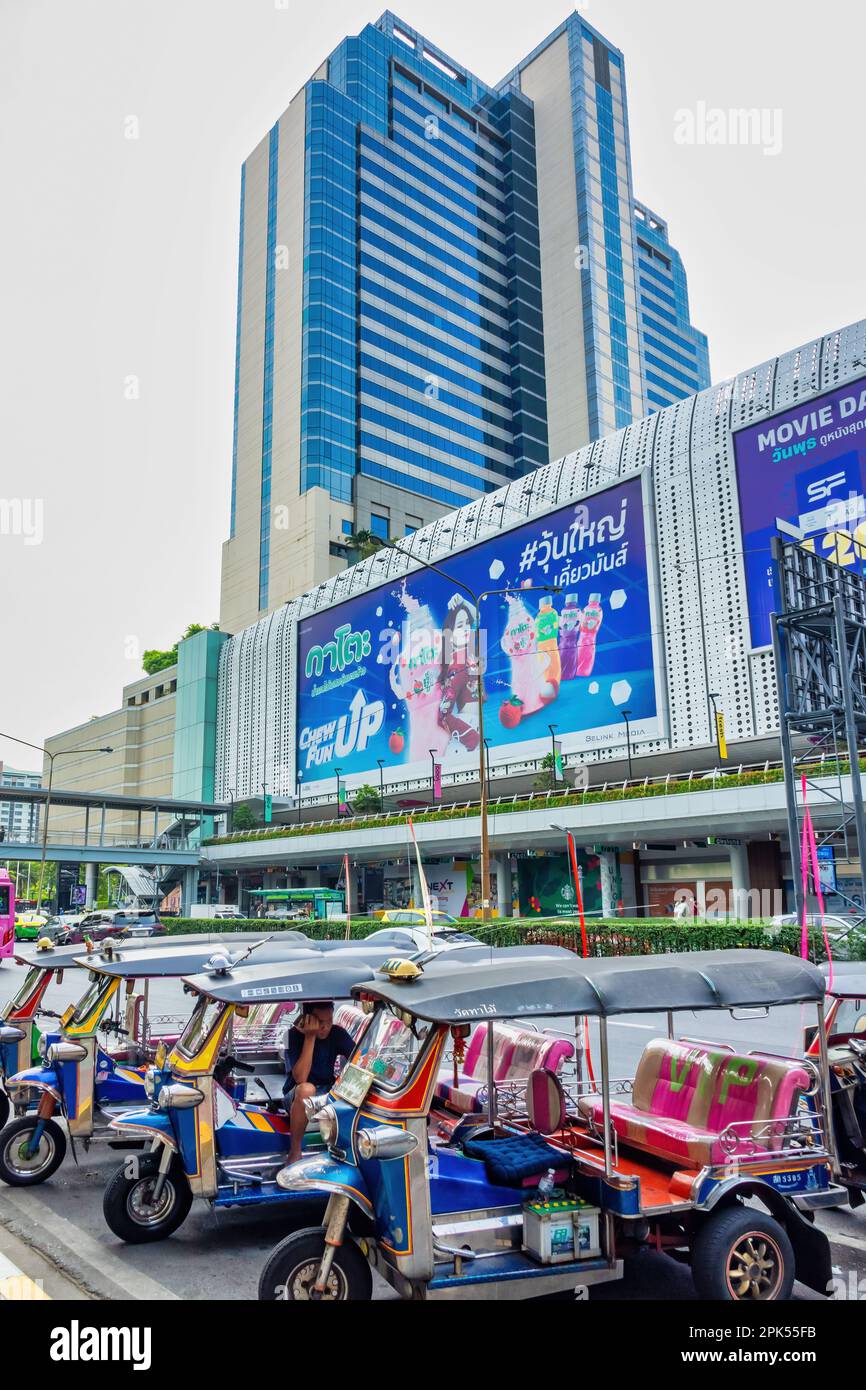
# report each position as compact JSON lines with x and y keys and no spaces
{"x":688,"y":448}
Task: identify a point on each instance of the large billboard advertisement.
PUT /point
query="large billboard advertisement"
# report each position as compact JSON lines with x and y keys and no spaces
{"x":393,"y":674}
{"x":807,"y":467}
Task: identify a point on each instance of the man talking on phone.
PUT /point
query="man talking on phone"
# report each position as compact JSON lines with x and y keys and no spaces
{"x":312,"y":1048}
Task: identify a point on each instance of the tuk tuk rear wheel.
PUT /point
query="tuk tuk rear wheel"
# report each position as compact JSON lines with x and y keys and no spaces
{"x":291,"y":1271}
{"x":128,"y":1207}
{"x":19,"y":1168}
{"x":741,"y":1255}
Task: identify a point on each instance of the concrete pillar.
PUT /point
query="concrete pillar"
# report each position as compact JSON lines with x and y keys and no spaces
{"x":608,"y":877}
{"x":740,"y":902}
{"x":504,"y":895}
{"x":190,"y":891}
{"x":91,"y":880}
{"x":630,"y":889}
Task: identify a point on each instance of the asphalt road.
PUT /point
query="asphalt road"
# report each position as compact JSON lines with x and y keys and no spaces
{"x":57,"y":1232}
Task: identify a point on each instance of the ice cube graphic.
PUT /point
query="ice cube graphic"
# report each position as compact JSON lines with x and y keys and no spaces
{"x":620,"y":691}
{"x":618,"y":598}
{"x":593,"y":687}
{"x":497,"y":569}
{"x":379,"y":611}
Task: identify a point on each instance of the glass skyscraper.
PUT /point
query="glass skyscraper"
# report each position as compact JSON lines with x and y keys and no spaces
{"x":437,"y":292}
{"x":676,"y":355}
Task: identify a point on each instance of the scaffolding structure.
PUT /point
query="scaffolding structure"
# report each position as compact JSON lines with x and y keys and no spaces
{"x":819,"y":641}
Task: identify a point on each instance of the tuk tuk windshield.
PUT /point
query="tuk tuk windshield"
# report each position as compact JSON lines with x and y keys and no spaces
{"x":390,"y":1047}
{"x":98,"y":991}
{"x":204,"y":1018}
{"x":850,"y":1018}
{"x":28,"y":984}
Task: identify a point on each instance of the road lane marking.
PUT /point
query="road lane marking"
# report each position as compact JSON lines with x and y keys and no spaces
{"x":79,"y":1247}
{"x":856,"y":1242}
{"x":16,"y":1286}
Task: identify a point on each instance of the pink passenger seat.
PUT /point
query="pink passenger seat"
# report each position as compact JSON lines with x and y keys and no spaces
{"x":517,"y":1052}
{"x":685,"y":1096}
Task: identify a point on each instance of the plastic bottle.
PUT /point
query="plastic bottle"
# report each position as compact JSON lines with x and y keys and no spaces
{"x":569,"y":622}
{"x":589,"y":626}
{"x":547,"y":1184}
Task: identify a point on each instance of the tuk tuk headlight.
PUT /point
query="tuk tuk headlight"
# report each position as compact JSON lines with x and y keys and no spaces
{"x":66,"y":1052}
{"x":326,"y":1119}
{"x":179,"y":1097}
{"x":150,"y":1082}
{"x":385,"y":1141}
{"x":42,"y":1046}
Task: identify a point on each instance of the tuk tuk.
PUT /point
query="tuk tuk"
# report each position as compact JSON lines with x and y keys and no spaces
{"x":19,"y":1034}
{"x":845,"y":1028}
{"x":556,"y":1196}
{"x":208,"y":1138}
{"x":80,"y":1078}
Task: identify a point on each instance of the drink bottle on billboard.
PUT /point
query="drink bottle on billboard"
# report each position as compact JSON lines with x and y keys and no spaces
{"x":589,"y":626}
{"x":569,"y":624}
{"x":547,"y":630}
{"x":520,"y":643}
{"x":415,"y":678}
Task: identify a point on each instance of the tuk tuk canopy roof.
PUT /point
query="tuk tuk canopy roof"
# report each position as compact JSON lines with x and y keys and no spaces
{"x":849,"y":979}
{"x":502,"y":986}
{"x":323,"y":977}
{"x":58,"y":958}
{"x":304,"y":978}
{"x":170,"y":961}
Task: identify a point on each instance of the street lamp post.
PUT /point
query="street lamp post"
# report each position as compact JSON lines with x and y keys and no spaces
{"x":477,"y":599}
{"x":299,"y":776}
{"x":432,"y":752}
{"x":61,"y":753}
{"x":337,"y":771}
{"x":625,"y":714}
{"x":381,"y":762}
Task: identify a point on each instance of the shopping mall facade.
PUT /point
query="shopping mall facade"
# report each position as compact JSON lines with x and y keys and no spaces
{"x":623,"y":596}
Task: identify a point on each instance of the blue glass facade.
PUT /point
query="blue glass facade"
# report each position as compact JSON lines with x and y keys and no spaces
{"x":404,"y":354}
{"x":676,"y":355}
{"x":268,"y":384}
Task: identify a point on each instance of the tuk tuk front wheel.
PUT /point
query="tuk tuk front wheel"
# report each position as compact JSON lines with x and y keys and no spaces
{"x":290,"y":1273}
{"x":4,"y":1107}
{"x":741,"y":1255}
{"x":128,"y":1203}
{"x":23,"y":1164}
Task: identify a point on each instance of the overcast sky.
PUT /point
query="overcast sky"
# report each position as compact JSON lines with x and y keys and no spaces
{"x":118,"y":260}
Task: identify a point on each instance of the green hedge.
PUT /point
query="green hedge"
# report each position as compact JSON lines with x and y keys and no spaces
{"x":578,"y":798}
{"x":611,"y":937}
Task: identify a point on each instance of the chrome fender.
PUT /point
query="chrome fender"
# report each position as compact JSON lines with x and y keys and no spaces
{"x":38,"y":1079}
{"x":148,"y":1123}
{"x":326,"y":1175}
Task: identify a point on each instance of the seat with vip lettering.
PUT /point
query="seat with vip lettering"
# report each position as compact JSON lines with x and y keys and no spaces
{"x":695,"y":1105}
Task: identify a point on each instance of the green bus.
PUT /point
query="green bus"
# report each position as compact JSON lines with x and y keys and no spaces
{"x":319,"y":903}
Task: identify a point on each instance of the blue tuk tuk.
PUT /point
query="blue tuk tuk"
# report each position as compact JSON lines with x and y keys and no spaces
{"x":710,"y":1155}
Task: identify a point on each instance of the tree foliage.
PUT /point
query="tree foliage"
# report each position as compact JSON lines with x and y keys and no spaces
{"x":155,"y":660}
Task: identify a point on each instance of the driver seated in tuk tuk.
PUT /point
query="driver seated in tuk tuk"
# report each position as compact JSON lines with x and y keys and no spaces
{"x":312,"y":1048}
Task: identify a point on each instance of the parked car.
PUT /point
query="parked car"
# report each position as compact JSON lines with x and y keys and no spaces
{"x":446,"y":929}
{"x":846,"y":935}
{"x":96,"y":926}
